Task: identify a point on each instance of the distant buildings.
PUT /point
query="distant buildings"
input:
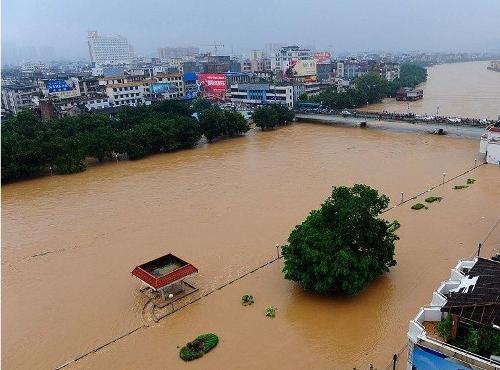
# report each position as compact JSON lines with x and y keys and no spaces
{"x":165,"y":54}
{"x":32,"y":67}
{"x":108,"y":50}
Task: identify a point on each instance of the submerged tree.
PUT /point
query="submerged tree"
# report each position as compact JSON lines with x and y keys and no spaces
{"x":344,"y":245}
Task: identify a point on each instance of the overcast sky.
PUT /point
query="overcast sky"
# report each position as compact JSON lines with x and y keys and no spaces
{"x":59,"y":27}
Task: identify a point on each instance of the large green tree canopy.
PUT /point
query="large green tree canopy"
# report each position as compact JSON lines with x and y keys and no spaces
{"x":342,"y":246}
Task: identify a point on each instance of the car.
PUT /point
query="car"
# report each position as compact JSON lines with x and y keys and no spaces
{"x":345,"y":112}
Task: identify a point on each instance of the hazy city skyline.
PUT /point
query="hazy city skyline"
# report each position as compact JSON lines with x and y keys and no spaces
{"x":56,"y":30}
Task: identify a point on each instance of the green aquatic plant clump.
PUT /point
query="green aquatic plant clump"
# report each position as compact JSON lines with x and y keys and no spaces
{"x":418,"y":206}
{"x":471,"y":181}
{"x":198,"y":347}
{"x":247,"y":300}
{"x":458,"y":187}
{"x":433,"y":199}
{"x":271,"y":311}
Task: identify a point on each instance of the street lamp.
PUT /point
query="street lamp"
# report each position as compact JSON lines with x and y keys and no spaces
{"x":444,"y":174}
{"x":170,"y":296}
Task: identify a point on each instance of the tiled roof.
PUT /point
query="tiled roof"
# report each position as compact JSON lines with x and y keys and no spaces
{"x":158,"y":282}
{"x":479,"y":304}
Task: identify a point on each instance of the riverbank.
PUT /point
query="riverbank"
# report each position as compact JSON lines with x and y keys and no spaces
{"x":216,"y":206}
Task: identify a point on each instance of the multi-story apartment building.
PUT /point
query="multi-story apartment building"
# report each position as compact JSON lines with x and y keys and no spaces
{"x":134,"y":90}
{"x":105,"y":50}
{"x":283,"y":57}
{"x":16,"y":97}
{"x":262,"y":93}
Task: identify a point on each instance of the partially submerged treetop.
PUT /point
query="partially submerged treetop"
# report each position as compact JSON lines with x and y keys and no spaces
{"x":344,"y":245}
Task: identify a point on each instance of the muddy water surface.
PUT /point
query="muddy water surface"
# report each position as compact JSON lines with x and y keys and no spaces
{"x":460,"y":89}
{"x":70,"y":242}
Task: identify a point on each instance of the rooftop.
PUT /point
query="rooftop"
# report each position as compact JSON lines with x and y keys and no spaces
{"x":163,"y":271}
{"x":477,"y":298}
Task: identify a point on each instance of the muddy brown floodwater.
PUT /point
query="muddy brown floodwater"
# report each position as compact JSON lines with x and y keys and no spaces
{"x":70,"y":242}
{"x":459,"y":89}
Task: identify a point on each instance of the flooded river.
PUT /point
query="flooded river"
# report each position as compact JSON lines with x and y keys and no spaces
{"x":70,"y":242}
{"x":460,"y":89}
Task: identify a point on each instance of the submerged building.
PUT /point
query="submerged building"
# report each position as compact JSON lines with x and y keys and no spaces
{"x":470,"y":301}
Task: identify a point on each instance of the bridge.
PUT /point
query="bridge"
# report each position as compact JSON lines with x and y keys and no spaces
{"x":398,"y":117}
{"x":358,"y":120}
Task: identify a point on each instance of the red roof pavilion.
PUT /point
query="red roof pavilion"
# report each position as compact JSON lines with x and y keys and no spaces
{"x":163,"y":271}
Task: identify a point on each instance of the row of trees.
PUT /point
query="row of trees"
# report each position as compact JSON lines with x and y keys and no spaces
{"x":31,"y":147}
{"x":371,"y":88}
{"x":217,"y":123}
{"x":273,"y":115}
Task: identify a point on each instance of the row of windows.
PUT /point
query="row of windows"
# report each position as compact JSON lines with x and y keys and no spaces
{"x":126,"y":88}
{"x":126,"y":95}
{"x":127,"y":102}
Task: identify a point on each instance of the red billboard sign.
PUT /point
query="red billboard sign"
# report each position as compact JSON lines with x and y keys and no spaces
{"x":212,"y":85}
{"x":322,"y":57}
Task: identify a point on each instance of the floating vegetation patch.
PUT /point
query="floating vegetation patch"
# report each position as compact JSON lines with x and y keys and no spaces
{"x":418,"y":206}
{"x":198,"y":347}
{"x":271,"y":311}
{"x":458,"y":187}
{"x":471,"y":181}
{"x":433,"y":199}
{"x":394,"y":225}
{"x":247,"y":300}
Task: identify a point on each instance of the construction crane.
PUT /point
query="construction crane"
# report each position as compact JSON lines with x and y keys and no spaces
{"x":215,"y":46}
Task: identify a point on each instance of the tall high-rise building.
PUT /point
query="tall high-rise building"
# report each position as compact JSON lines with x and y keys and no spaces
{"x":283,"y":57}
{"x":105,"y":50}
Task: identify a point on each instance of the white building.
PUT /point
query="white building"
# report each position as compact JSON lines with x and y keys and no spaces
{"x":18,"y":97}
{"x":262,"y":93}
{"x":134,"y":90}
{"x":105,"y":50}
{"x":31,"y":67}
{"x":490,"y":144}
{"x":471,"y":297}
{"x":283,"y":57}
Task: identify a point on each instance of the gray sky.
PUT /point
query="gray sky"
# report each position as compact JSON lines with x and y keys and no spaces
{"x":59,"y":27}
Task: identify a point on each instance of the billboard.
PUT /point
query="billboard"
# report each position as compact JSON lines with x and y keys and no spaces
{"x":301,"y":68}
{"x":162,"y":88}
{"x":322,"y":57}
{"x":55,"y":86}
{"x":212,"y":85}
{"x":189,"y":77}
